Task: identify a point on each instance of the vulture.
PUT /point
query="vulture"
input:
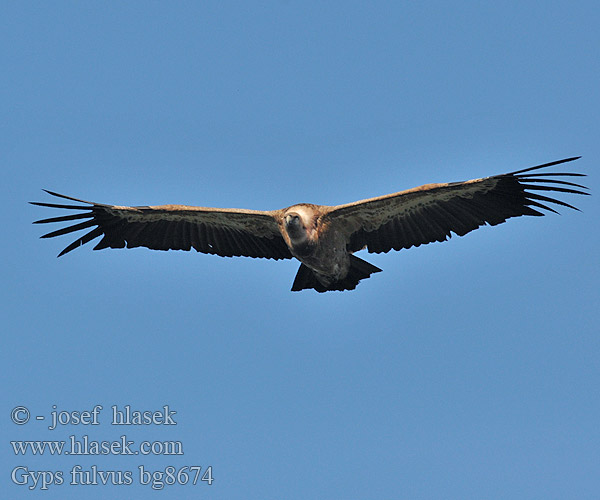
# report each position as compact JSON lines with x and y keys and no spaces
{"x":323,"y":238}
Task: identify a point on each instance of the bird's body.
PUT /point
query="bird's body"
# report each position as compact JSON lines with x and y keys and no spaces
{"x":323,"y":238}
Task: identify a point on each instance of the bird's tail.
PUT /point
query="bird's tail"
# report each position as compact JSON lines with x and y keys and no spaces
{"x":359,"y":269}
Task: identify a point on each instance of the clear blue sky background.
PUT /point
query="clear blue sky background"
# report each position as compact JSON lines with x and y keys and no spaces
{"x":467,"y":369}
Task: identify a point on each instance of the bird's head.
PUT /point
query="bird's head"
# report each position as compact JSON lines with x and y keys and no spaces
{"x":299,"y":221}
{"x":294,"y":225}
{"x":292,"y":219}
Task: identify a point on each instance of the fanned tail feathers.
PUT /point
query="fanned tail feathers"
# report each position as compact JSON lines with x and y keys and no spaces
{"x":359,"y":270}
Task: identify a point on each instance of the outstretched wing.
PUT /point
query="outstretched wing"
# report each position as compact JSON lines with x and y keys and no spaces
{"x":432,"y":212}
{"x":221,"y":231}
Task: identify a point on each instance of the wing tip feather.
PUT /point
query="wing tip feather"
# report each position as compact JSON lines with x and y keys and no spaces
{"x":545,"y":165}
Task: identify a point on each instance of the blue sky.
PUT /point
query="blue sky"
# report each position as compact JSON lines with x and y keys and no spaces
{"x":467,"y":369}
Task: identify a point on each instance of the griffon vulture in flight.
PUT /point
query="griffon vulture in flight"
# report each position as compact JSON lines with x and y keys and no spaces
{"x":323,"y":238}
